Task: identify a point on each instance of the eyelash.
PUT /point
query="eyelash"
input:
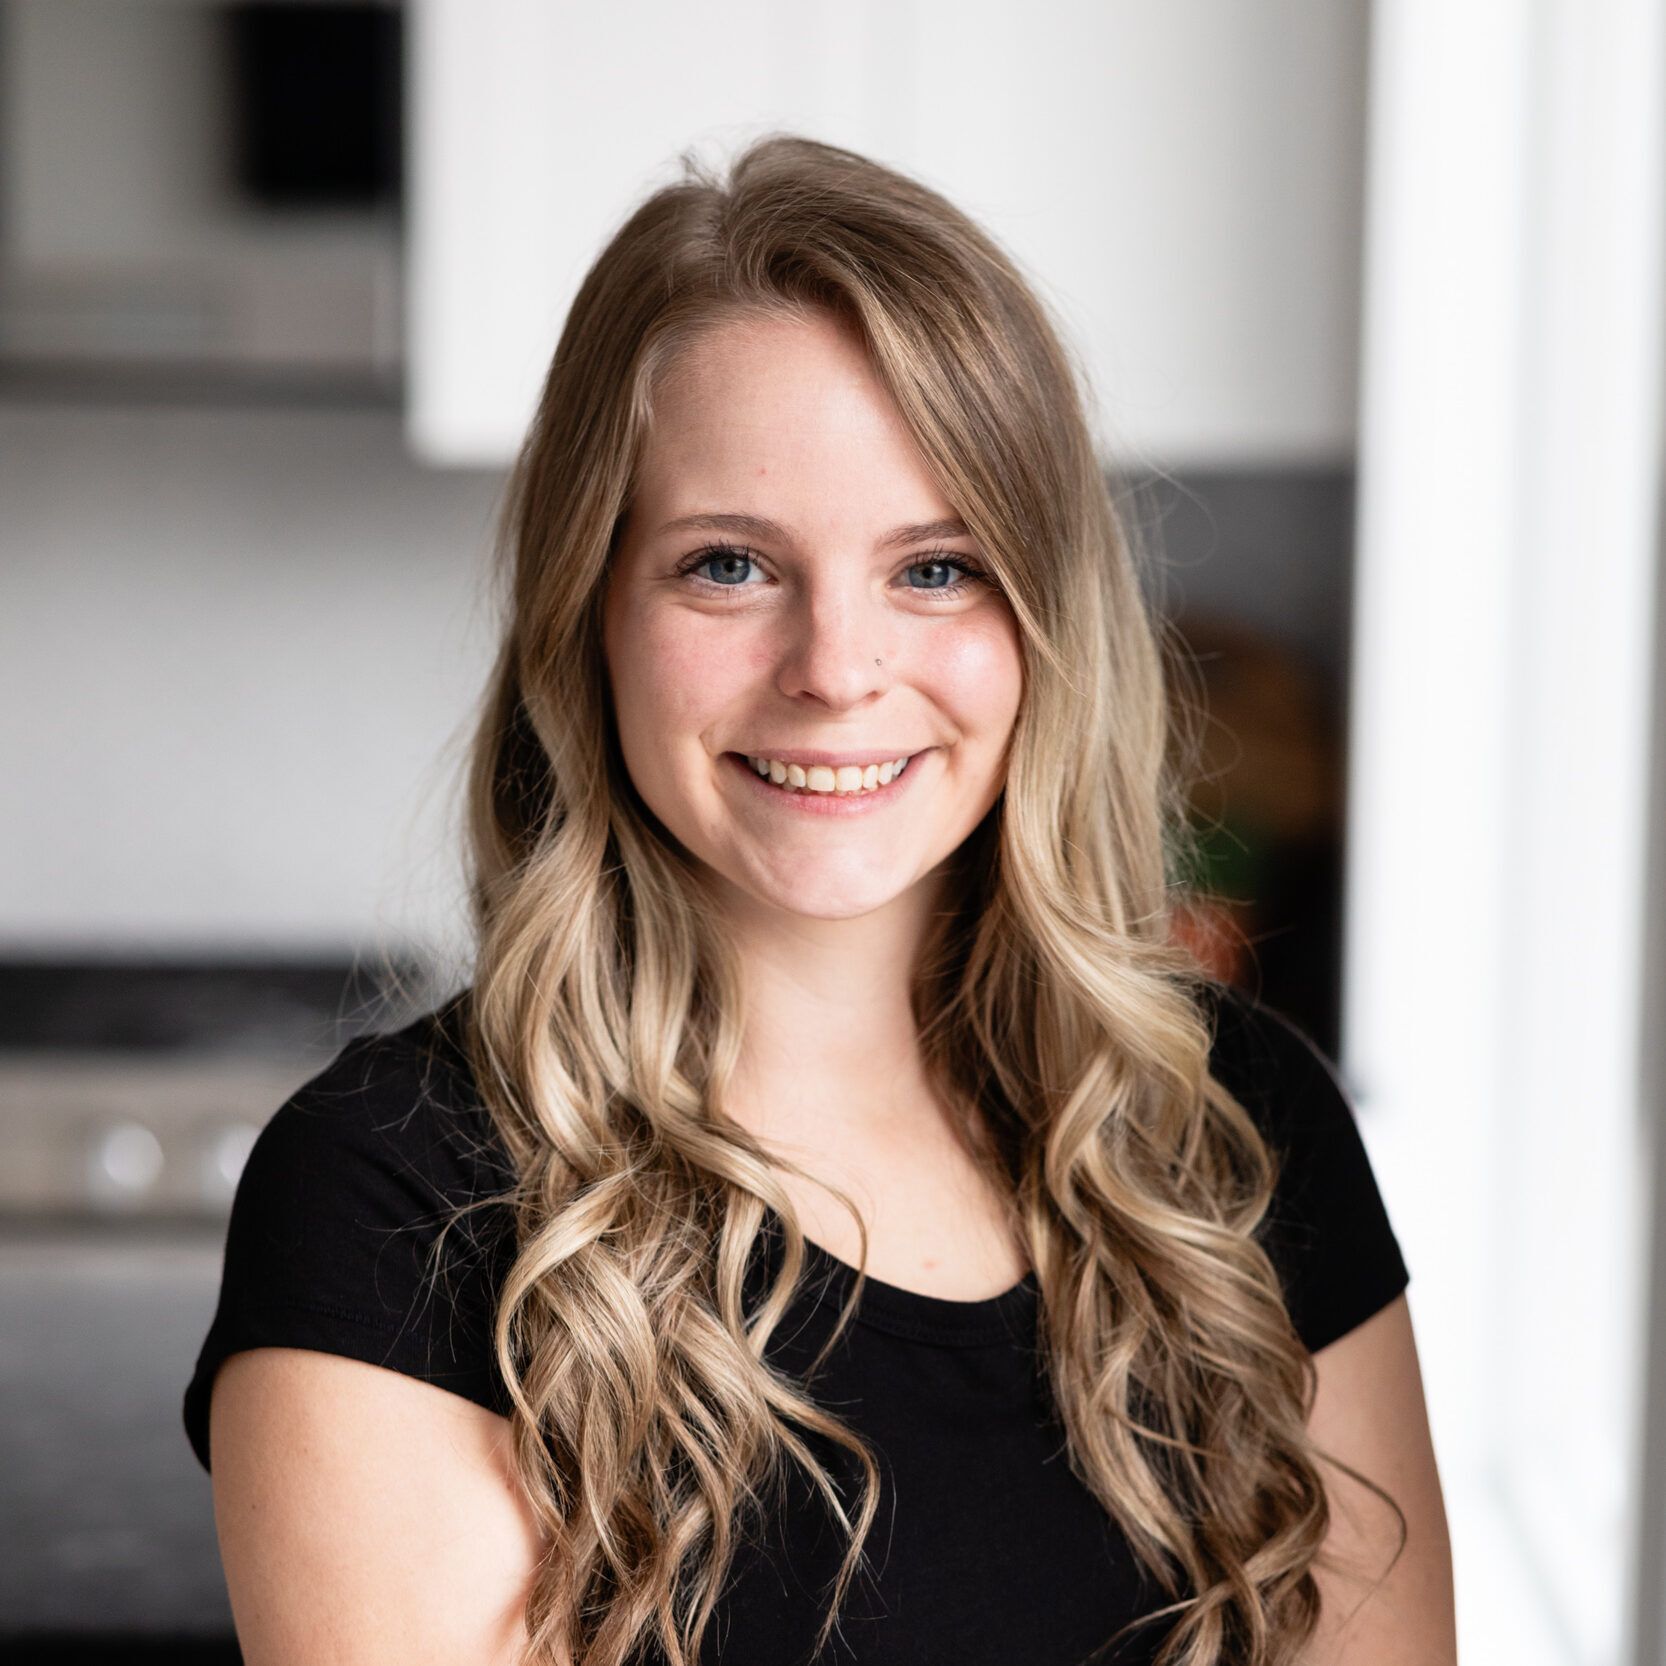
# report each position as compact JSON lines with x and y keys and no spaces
{"x":974,"y":574}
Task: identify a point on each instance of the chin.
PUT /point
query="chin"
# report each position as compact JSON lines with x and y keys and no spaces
{"x":841,"y":910}
{"x":827,"y":898}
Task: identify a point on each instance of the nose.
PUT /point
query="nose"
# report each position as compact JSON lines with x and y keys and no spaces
{"x":837,"y":645}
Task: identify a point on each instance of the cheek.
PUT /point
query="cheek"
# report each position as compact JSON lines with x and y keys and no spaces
{"x":678,"y":673}
{"x":978,"y":673}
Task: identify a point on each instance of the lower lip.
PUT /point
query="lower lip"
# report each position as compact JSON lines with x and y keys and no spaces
{"x":804,"y":802}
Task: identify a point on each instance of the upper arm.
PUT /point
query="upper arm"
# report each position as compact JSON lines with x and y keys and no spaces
{"x":365,"y":1517}
{"x":1369,"y":1411}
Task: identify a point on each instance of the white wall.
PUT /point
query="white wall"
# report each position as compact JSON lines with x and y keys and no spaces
{"x":233,"y":644}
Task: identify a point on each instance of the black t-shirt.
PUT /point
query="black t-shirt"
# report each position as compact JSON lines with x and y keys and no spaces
{"x":986,"y":1548}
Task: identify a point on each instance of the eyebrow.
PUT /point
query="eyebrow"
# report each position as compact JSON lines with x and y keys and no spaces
{"x":758,"y":526}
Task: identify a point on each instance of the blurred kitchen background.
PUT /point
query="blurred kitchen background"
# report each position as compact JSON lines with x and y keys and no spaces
{"x":1370,"y":296}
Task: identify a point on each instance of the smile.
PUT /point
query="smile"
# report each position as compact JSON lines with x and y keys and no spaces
{"x":829,"y":778}
{"x":827,"y":789}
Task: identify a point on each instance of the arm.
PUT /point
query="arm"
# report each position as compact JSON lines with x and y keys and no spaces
{"x":1370,"y":1412}
{"x":365,"y":1517}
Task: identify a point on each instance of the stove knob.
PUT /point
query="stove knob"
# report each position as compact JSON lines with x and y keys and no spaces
{"x":124,"y":1165}
{"x":224,"y":1153}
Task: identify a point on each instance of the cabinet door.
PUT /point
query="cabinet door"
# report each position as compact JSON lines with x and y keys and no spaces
{"x":1180,"y":178}
{"x":536,"y":127}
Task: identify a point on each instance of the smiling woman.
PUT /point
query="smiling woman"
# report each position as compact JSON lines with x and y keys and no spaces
{"x":816,"y":647}
{"x":837,"y":1134}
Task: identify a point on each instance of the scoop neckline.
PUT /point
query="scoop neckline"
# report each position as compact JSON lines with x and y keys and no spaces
{"x":1007,"y":1317}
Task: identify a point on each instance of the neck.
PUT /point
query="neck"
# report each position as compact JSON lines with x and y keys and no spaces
{"x":829,"y":1029}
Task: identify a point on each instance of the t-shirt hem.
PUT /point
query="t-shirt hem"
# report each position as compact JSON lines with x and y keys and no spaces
{"x":1325,"y":1329}
{"x":371,"y":1340}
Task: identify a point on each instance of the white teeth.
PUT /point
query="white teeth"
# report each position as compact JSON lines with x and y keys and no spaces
{"x":825,"y":778}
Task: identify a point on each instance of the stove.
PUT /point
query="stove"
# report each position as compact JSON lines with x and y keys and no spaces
{"x":129,"y":1097}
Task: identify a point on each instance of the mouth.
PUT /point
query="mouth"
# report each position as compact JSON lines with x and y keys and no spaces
{"x":828,"y":789}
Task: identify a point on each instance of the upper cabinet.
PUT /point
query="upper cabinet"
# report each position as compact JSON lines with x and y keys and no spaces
{"x":1180,"y":178}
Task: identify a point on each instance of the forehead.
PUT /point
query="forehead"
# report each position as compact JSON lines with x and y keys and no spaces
{"x":783,"y":409}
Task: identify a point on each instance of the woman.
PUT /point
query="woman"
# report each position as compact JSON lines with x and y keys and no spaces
{"x":823,"y":808}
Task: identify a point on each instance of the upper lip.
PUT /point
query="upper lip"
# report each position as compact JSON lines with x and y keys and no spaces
{"x":806,"y":757}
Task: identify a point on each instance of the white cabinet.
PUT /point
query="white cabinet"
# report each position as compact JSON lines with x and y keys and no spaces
{"x":1181,"y":177}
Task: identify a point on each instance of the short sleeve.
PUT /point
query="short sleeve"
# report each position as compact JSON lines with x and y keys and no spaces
{"x":1327,"y":1229}
{"x":344,"y":1194}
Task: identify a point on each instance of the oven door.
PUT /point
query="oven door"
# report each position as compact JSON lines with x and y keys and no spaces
{"x":109,"y":1548}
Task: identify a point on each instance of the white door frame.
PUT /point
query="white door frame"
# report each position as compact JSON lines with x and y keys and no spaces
{"x":1498,"y":1022}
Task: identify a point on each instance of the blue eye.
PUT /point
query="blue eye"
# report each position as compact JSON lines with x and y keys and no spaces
{"x":730,"y":561}
{"x":715,"y":557}
{"x":946,"y":564}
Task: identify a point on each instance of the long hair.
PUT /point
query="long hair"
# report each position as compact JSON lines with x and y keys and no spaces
{"x":1053,"y":1003}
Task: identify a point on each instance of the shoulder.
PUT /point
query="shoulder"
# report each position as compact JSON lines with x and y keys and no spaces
{"x":393,"y":1115}
{"x":1290,"y":1086}
{"x":345,"y":1234}
{"x":1327,"y":1228}
{"x":1264,"y":1056}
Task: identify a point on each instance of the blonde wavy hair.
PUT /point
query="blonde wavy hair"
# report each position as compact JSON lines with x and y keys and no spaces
{"x":1053,"y":1004}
